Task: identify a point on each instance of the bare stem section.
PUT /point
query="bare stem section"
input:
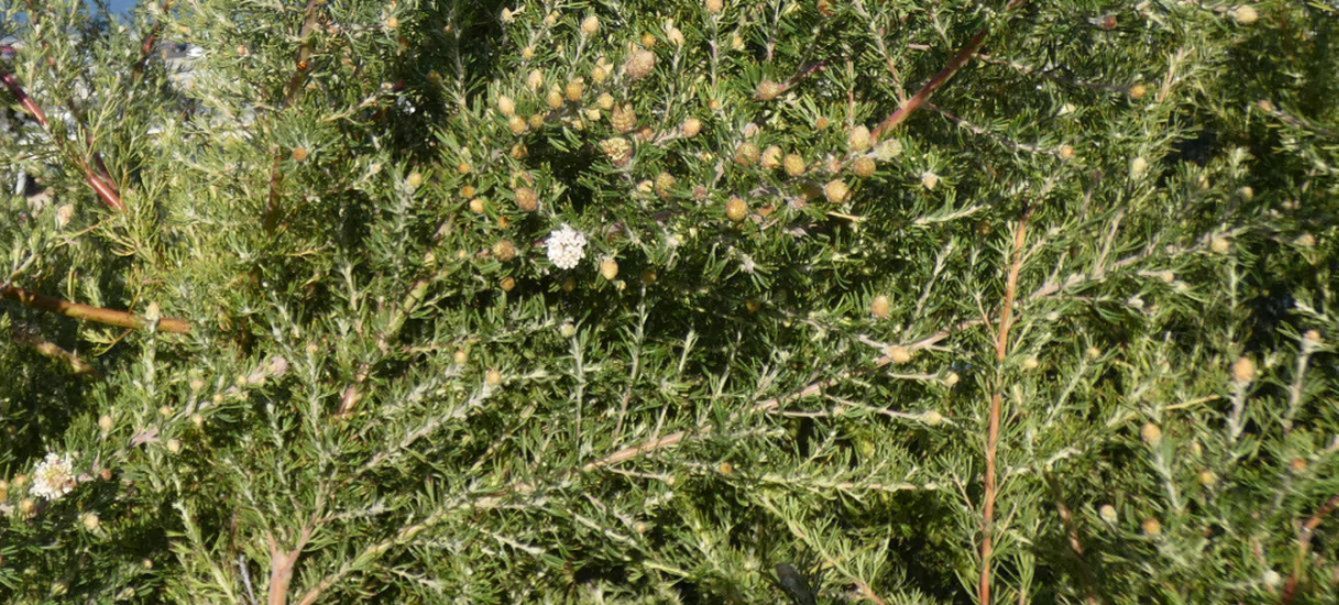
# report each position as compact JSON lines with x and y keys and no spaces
{"x":922,"y":96}
{"x":996,"y":404}
{"x":84,"y":312}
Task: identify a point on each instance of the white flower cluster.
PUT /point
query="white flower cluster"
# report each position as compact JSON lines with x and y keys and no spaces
{"x":567,"y":247}
{"x":53,"y":477}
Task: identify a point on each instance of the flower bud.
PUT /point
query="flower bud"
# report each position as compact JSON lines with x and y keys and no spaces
{"x":768,"y":90}
{"x":1243,"y":370}
{"x":835,"y":191}
{"x":864,"y":167}
{"x":1245,"y":15}
{"x":747,"y":154}
{"x":575,"y":90}
{"x":1138,"y":167}
{"x":590,"y":25}
{"x":640,"y":64}
{"x":794,"y":165}
{"x":554,"y":98}
{"x":736,"y":208}
{"x":859,"y":139}
{"x":526,"y":199}
{"x":691,"y":126}
{"x":880,"y":307}
{"x":504,"y":250}
{"x":609,"y":269}
{"x":1151,"y":433}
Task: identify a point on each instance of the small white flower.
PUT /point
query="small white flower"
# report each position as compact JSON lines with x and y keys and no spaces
{"x":53,"y":477}
{"x":566,"y":247}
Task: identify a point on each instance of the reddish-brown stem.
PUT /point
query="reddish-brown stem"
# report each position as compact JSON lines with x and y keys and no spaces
{"x":303,"y":65}
{"x":29,"y":105}
{"x":27,"y":336}
{"x":291,"y":93}
{"x":271,"y":216}
{"x":1307,"y":530}
{"x":996,"y":404}
{"x":282,"y":563}
{"x":959,"y":60}
{"x":149,"y":41}
{"x":1075,"y":543}
{"x":84,"y":312}
{"x":102,"y":186}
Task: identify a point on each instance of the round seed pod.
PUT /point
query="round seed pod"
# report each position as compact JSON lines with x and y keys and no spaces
{"x":768,"y":90}
{"x":794,"y":165}
{"x":691,"y":126}
{"x":609,"y":269}
{"x":736,"y":208}
{"x":864,"y":167}
{"x":747,"y":154}
{"x":526,"y":199}
{"x":640,"y":64}
{"x":880,"y":307}
{"x":504,"y":250}
{"x":836,"y":191}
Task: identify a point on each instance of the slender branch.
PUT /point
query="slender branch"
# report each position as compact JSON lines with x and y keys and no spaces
{"x":293,"y":91}
{"x":1075,"y":543}
{"x":282,"y":562}
{"x":996,"y":403}
{"x":84,"y":312}
{"x":418,"y":292}
{"x":636,"y":451}
{"x":149,"y":41}
{"x":29,"y":105}
{"x":302,"y":66}
{"x":1049,"y":289}
{"x":923,"y":95}
{"x":103,"y":186}
{"x":1304,"y":546}
{"x":28,"y":336}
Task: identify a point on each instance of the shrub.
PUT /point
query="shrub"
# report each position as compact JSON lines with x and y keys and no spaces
{"x":685,"y":301}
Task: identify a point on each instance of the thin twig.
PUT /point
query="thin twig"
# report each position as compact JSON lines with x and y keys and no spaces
{"x":148,"y":43}
{"x":26,"y":335}
{"x":996,"y":403}
{"x":104,"y":187}
{"x":923,"y":95}
{"x":84,"y":312}
{"x":292,"y":92}
{"x":1304,"y":546}
{"x":1075,"y":543}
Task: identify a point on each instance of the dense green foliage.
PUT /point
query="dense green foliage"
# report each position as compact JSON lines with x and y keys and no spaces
{"x":778,"y":345}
